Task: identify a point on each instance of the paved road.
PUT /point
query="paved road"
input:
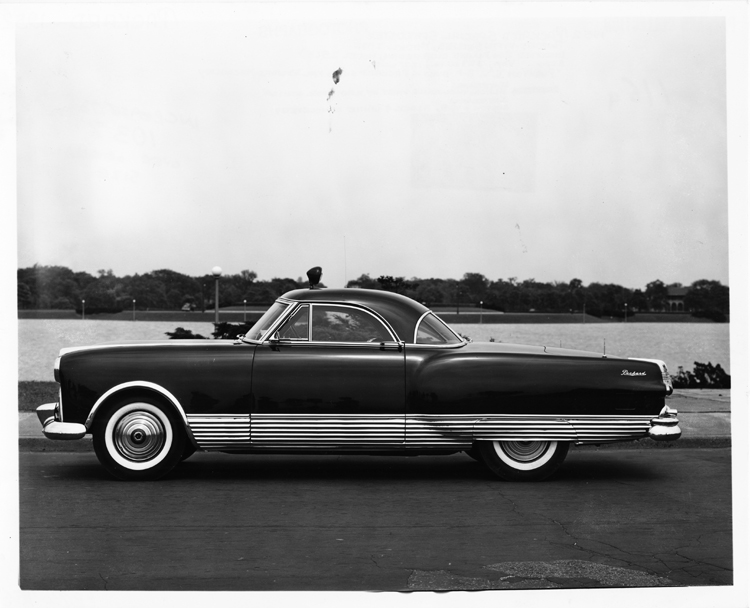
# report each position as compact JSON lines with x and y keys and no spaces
{"x":222,"y":522}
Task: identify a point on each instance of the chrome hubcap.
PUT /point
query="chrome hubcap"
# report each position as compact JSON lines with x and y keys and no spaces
{"x":139,"y":436}
{"x":524,"y":451}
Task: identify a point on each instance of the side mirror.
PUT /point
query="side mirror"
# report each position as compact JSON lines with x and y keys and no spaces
{"x":274,"y":339}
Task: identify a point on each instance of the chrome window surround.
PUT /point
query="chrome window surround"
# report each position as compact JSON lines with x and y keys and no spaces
{"x":309,"y":323}
{"x":274,"y":326}
{"x":296,"y":305}
{"x":419,"y":321}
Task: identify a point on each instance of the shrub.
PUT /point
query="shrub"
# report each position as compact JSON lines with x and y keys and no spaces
{"x":184,"y":334}
{"x":704,"y":375}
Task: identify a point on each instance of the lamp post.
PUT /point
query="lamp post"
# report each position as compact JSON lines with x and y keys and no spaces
{"x":626,"y":312}
{"x":216,"y":271}
{"x":133,"y":309}
{"x":83,"y":309}
{"x":480,"y":311}
{"x":244,"y":311}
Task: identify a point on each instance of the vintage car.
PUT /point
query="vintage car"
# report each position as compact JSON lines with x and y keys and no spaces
{"x":352,"y":371}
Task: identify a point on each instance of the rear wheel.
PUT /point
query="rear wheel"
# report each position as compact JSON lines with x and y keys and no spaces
{"x":138,"y":439}
{"x":523,"y":460}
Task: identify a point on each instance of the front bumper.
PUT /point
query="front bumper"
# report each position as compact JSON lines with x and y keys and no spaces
{"x":54,"y":429}
{"x":664,"y":427}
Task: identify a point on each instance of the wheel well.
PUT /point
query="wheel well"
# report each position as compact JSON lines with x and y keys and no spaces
{"x":140,"y":392}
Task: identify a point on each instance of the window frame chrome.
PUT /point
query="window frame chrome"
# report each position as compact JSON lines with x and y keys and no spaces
{"x":291,"y":310}
{"x":450,"y":329}
{"x":274,"y":326}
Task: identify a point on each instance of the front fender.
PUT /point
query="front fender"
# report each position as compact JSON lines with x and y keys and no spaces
{"x":138,"y":387}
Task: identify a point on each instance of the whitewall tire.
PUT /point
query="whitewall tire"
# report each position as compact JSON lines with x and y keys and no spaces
{"x":523,"y":460}
{"x":138,"y":439}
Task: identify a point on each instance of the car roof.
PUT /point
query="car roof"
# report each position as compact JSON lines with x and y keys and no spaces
{"x":401,"y":312}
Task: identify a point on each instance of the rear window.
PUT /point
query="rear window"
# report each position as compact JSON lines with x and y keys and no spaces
{"x":432,"y":330}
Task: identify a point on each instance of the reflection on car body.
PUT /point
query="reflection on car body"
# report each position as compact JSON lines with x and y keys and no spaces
{"x":331,"y":371}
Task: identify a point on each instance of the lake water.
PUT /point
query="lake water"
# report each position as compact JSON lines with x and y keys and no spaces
{"x":675,"y":343}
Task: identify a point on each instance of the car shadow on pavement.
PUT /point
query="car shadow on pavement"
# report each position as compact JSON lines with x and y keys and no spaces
{"x":458,"y":467}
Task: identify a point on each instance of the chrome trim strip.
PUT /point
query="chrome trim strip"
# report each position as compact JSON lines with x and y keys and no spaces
{"x":147,"y":385}
{"x":151,"y":343}
{"x":216,"y":431}
{"x":416,"y":327}
{"x":305,"y":343}
{"x":456,"y":345}
{"x":327,"y":431}
{"x":439,"y":431}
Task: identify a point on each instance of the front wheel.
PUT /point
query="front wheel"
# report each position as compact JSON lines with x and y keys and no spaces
{"x":523,"y":460}
{"x":138,"y":439}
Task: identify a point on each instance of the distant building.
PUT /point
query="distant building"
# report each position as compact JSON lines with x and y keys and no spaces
{"x":676,"y":299}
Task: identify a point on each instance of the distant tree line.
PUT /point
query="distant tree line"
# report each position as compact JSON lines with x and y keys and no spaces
{"x":704,"y":298}
{"x":58,"y":287}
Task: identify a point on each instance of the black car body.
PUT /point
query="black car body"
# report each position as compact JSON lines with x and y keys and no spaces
{"x":352,"y":371}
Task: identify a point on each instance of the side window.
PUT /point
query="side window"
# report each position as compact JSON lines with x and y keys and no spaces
{"x":342,"y":324}
{"x":296,"y":328}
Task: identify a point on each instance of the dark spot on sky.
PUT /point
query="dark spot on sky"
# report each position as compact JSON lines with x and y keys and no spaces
{"x":337,"y":75}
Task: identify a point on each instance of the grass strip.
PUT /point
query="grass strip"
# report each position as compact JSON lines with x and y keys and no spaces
{"x":33,"y":394}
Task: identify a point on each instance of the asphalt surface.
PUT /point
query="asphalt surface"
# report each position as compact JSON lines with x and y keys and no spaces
{"x":610,"y":518}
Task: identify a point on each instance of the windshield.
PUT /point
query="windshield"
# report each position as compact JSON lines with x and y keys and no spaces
{"x":263,"y":324}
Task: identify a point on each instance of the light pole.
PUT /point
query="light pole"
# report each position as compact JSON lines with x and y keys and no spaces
{"x":626,"y":312}
{"x":83,"y":309}
{"x":480,"y":311}
{"x":216,"y":271}
{"x":244,"y":311}
{"x":133,"y":309}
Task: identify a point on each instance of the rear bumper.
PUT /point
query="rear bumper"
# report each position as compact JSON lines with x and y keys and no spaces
{"x":665,"y":426}
{"x":54,"y":429}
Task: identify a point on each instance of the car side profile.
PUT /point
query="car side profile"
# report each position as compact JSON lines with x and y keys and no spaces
{"x":352,"y":371}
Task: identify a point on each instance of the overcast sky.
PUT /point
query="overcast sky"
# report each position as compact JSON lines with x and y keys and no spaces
{"x":546,"y":148}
